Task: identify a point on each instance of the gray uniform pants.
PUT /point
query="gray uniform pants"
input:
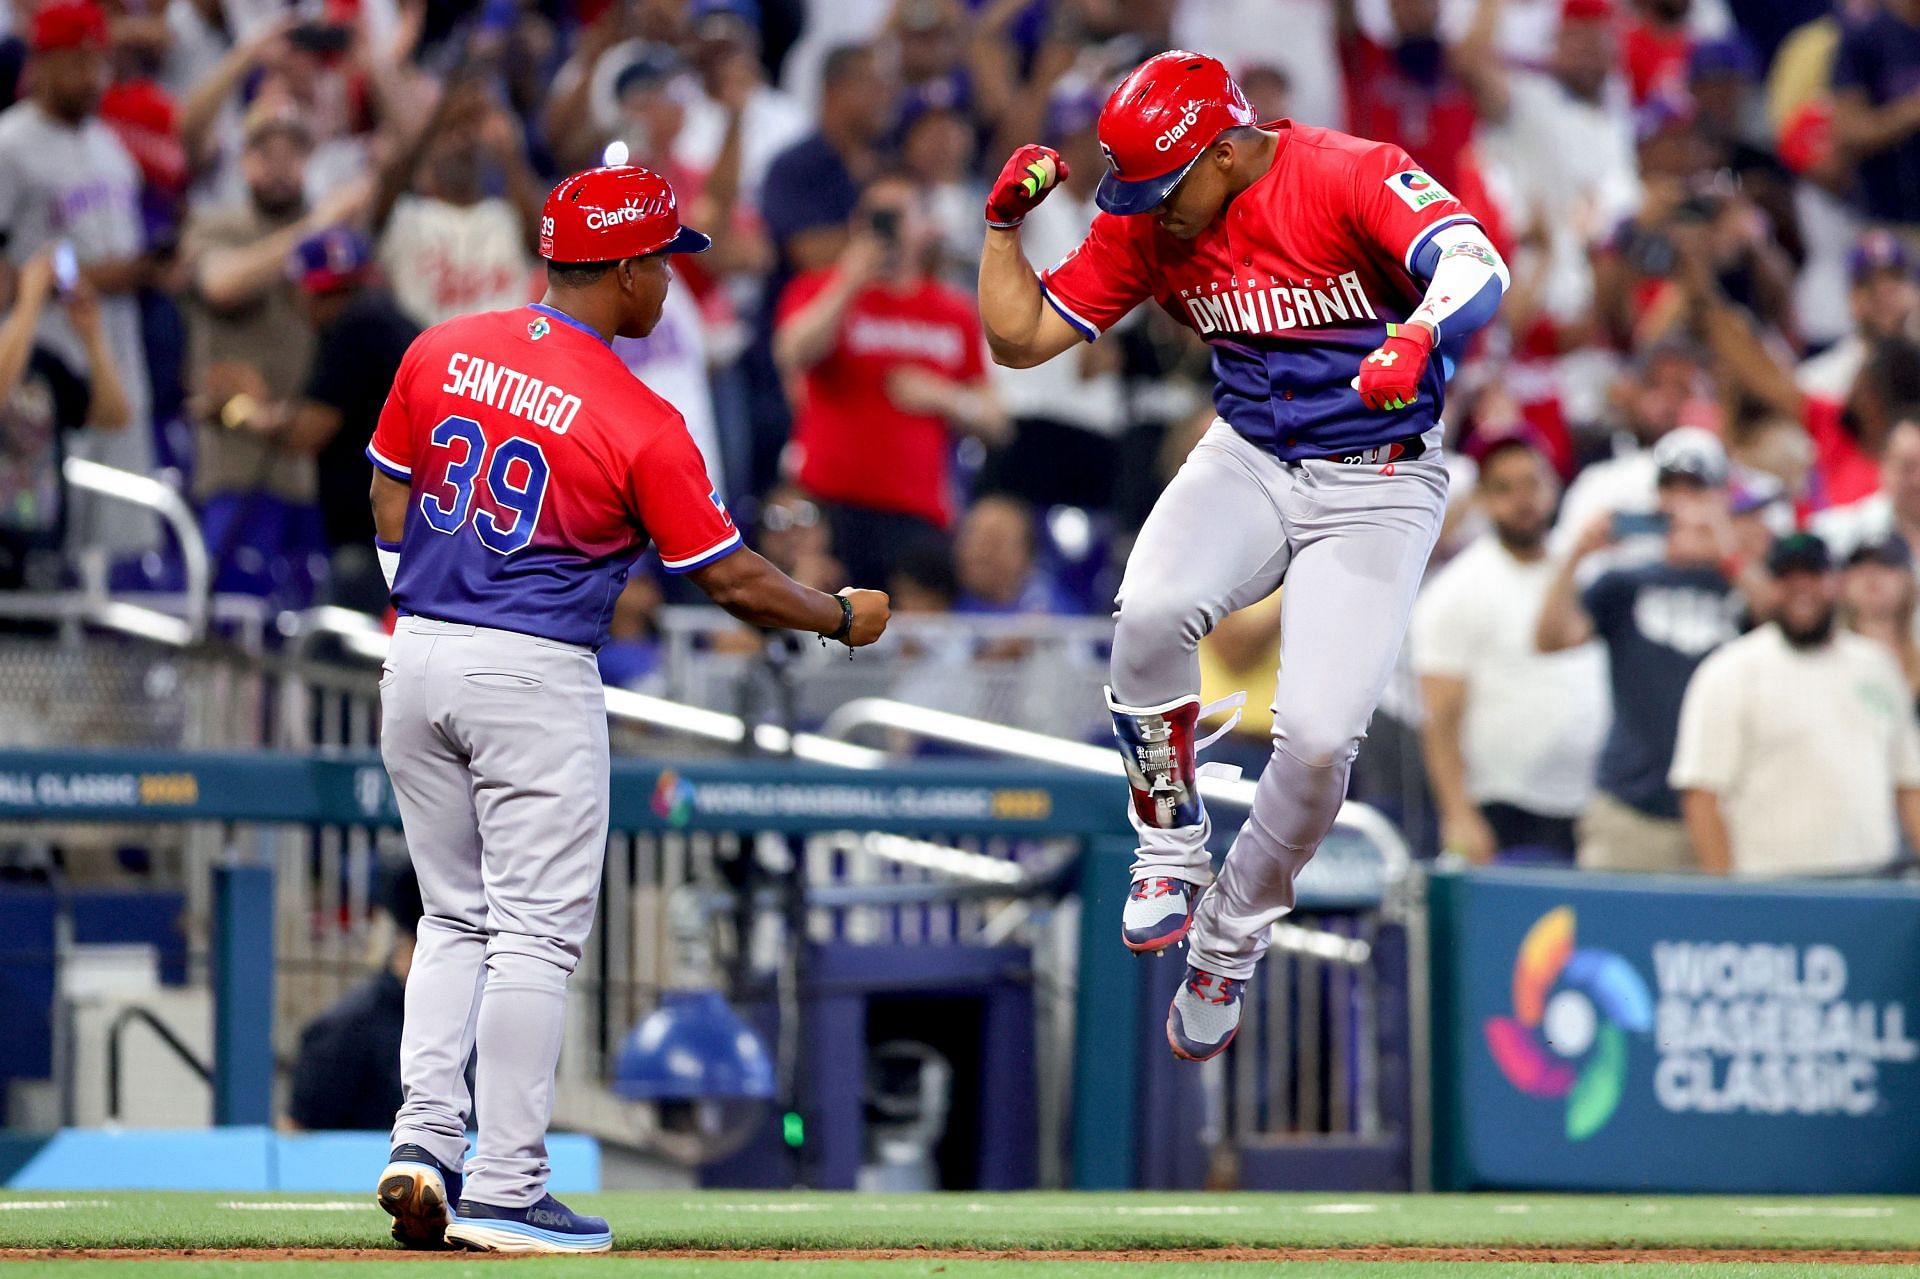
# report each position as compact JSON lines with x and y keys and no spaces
{"x":497,"y":746}
{"x":1351,"y":543}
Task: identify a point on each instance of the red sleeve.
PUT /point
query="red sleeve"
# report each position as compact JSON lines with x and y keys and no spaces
{"x":674,"y":501}
{"x":973,"y":348}
{"x":1398,"y":205}
{"x":1101,"y":280}
{"x":801,"y":290}
{"x":391,"y":449}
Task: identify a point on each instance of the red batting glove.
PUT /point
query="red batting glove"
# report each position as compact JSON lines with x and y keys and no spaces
{"x":1030,"y":173}
{"x":1390,"y":376}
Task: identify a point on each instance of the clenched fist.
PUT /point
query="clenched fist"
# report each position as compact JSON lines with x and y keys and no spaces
{"x":1030,"y":173}
{"x":872,"y":610}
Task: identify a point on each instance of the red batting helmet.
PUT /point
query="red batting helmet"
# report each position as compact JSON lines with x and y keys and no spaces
{"x":605,"y":215}
{"x":1162,"y":118}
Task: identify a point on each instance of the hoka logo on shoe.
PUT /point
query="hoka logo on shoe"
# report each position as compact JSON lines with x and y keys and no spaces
{"x":547,"y":1217}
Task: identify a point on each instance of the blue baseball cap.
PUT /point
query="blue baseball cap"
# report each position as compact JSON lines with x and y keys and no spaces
{"x":330,"y":259}
{"x":1730,"y":55}
{"x":1799,"y":553}
{"x":1072,"y":109}
{"x":747,"y":11}
{"x":655,"y":64}
{"x":1878,"y":250}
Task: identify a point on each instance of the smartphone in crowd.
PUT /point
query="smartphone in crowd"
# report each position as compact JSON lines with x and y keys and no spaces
{"x":66,"y":268}
{"x":323,"y":39}
{"x":1638,"y":524}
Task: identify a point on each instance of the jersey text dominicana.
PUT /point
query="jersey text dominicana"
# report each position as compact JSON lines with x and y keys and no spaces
{"x":538,"y":469}
{"x":1292,"y":286}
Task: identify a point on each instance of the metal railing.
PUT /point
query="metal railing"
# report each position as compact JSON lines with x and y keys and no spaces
{"x":870,"y":713}
{"x":92,"y":603}
{"x":365,"y":638}
{"x":177,"y":1046}
{"x":1035,"y":672}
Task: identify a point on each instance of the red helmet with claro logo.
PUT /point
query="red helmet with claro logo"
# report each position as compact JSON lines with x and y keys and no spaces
{"x":607,"y":214}
{"x":1161,"y":119}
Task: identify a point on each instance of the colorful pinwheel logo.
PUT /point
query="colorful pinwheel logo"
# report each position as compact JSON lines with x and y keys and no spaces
{"x":673,"y":798}
{"x":1572,"y":1011}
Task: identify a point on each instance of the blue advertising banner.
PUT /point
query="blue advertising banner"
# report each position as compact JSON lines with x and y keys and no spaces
{"x":955,"y":797}
{"x":1650,"y":1033}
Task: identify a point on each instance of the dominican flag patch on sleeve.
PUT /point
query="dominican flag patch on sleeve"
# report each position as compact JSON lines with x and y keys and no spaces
{"x":1416,"y":189}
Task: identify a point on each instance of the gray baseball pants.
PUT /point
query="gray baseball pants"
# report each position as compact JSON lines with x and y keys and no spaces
{"x":497,"y":746}
{"x":1351,"y":543}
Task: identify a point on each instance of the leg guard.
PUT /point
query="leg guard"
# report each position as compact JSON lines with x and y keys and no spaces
{"x":1157,"y":744}
{"x":1158,"y":747}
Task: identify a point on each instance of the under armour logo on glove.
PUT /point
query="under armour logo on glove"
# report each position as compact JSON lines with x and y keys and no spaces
{"x":1388,"y":382}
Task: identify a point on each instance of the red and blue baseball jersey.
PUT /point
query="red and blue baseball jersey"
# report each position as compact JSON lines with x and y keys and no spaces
{"x":1292,"y":286}
{"x":539,"y":470}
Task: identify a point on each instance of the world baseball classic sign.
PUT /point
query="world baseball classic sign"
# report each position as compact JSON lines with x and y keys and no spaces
{"x":1651,"y":1033}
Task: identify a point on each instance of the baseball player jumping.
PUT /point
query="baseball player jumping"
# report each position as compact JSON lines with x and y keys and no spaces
{"x":519,"y":469}
{"x":1336,"y":283}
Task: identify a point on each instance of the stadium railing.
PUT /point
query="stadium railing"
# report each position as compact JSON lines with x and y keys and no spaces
{"x":185,"y":617}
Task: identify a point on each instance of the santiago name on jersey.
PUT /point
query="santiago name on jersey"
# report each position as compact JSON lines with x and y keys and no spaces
{"x":538,"y":468}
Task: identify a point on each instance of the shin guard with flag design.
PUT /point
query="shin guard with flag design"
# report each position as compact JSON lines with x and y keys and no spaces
{"x":1157,"y":744}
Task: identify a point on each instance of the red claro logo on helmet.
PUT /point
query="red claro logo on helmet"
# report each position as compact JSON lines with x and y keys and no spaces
{"x":602,"y":219}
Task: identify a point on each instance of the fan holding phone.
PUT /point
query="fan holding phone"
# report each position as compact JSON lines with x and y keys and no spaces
{"x":886,"y":363}
{"x":70,"y":210}
{"x":1673,"y":586}
{"x":43,"y":400}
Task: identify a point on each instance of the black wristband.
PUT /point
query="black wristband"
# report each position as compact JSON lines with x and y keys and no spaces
{"x":845,"y":628}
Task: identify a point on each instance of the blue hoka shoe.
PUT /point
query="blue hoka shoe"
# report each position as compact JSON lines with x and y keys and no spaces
{"x":547,"y":1226}
{"x":1205,"y":1015}
{"x":419,"y":1191}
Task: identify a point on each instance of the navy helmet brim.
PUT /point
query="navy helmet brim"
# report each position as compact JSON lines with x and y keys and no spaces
{"x":687,"y":240}
{"x":1124,"y":198}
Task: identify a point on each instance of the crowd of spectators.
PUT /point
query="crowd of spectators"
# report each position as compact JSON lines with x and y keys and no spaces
{"x":225,"y":219}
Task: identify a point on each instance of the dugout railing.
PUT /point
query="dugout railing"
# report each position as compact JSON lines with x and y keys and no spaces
{"x":1020,"y":866}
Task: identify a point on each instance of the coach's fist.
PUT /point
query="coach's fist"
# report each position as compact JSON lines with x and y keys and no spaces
{"x":1390,"y":375}
{"x":872,"y":610}
{"x":1029,"y":174}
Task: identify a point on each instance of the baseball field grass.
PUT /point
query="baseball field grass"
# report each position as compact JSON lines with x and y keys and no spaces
{"x":723,"y":1235}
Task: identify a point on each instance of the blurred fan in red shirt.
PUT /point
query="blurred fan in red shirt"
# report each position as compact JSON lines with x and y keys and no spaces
{"x":884,"y":364}
{"x":1655,"y":48}
{"x":1404,"y":91}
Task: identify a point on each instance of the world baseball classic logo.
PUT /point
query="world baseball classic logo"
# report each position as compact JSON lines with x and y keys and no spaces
{"x":1573,"y":1009}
